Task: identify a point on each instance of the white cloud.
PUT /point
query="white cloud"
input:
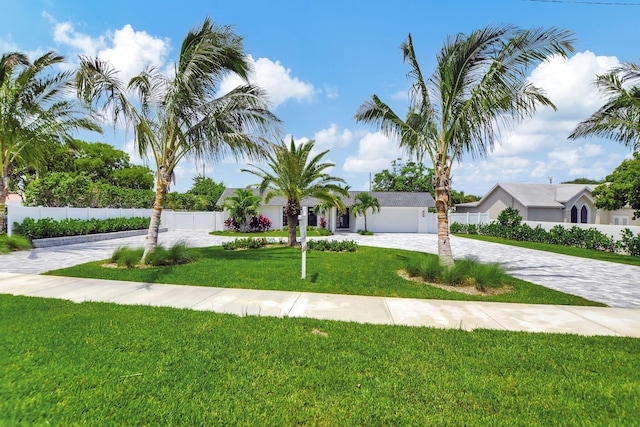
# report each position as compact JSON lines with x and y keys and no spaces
{"x":375,"y":152}
{"x":332,"y":138}
{"x":129,"y":51}
{"x":275,"y":79}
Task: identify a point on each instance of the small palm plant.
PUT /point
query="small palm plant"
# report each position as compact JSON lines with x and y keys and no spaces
{"x":364,"y":202}
{"x":242,"y":206}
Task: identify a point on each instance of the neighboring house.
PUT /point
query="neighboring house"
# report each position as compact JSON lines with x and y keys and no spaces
{"x":400,"y":212}
{"x":14,"y":199}
{"x":570,"y":203}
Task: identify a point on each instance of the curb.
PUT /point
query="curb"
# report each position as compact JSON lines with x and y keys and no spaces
{"x":70,"y":240}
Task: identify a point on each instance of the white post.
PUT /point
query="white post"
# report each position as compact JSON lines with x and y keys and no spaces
{"x":302,"y":220}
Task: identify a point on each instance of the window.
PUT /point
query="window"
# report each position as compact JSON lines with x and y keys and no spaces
{"x":620,"y":220}
{"x":584,"y":215}
{"x":574,"y":215}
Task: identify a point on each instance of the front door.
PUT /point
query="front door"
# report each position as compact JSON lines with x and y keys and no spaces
{"x":343,"y":220}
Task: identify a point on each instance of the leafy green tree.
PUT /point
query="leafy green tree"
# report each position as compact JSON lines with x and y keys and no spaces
{"x":207,"y":191}
{"x":621,"y":188}
{"x":35,"y":112}
{"x":134,"y":176}
{"x":362,"y":203}
{"x":411,"y":176}
{"x":619,"y":117}
{"x":459,"y":197}
{"x":179,"y":115}
{"x":295,"y":175}
{"x":242,"y":206}
{"x":479,"y":85}
{"x":583,"y":181}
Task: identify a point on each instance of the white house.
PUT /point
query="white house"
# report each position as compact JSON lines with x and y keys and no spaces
{"x":400,"y":212}
{"x":570,"y":203}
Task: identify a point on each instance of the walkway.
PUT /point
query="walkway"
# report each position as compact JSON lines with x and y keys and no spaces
{"x":613,"y":284}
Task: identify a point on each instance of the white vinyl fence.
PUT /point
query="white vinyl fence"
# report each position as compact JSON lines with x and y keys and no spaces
{"x":469,"y":218}
{"x":211,"y":221}
{"x":19,"y":213}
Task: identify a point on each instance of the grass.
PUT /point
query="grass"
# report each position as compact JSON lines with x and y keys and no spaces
{"x":559,"y":249}
{"x":13,"y":243}
{"x":106,"y":364}
{"x":370,"y":271}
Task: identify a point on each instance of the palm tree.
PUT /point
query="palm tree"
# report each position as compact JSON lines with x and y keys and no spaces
{"x":363,"y":202}
{"x":323,"y":208}
{"x":179,"y":115}
{"x":478,"y":88}
{"x":35,"y":112}
{"x":619,"y":117}
{"x":295,"y":175}
{"x":242,"y":206}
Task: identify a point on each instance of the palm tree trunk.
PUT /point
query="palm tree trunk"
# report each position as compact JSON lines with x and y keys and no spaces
{"x":292,"y":223}
{"x":365,"y":220}
{"x":162,"y":184}
{"x":4,"y":192}
{"x":442,"y":203}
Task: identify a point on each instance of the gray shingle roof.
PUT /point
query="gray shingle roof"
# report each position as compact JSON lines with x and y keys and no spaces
{"x":388,"y":199}
{"x":543,"y":195}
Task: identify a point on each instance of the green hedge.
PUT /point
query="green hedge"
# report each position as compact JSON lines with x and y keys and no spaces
{"x":47,"y":227}
{"x":586,"y":238}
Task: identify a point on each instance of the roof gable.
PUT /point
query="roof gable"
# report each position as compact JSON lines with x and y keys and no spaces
{"x":542,"y":195}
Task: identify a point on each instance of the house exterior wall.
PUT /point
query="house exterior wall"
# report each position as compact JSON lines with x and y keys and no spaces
{"x":582,"y":201}
{"x":617,"y":217}
{"x":546,"y":214}
{"x":274,"y":213}
{"x":495,"y":203}
{"x":392,"y":220}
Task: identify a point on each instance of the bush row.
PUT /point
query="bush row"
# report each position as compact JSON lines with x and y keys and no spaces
{"x":332,"y":245}
{"x":586,"y":238}
{"x":247,"y":243}
{"x":466,"y":271}
{"x":159,"y":256}
{"x":257,"y":224}
{"x":47,"y":227}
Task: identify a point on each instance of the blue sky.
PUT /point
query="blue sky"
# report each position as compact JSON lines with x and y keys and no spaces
{"x":320,"y":60}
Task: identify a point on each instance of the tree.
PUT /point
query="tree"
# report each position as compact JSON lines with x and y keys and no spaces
{"x":621,"y":188}
{"x":362,"y":203}
{"x":179,"y":115}
{"x":207,"y":191}
{"x":411,"y":176}
{"x":242,"y":206}
{"x":478,"y":88}
{"x":583,"y":181}
{"x":35,"y":112}
{"x":619,"y":117}
{"x":294,"y":175}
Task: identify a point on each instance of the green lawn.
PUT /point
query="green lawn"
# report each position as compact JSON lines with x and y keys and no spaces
{"x":564,"y":250}
{"x":104,"y":364}
{"x":370,"y":271}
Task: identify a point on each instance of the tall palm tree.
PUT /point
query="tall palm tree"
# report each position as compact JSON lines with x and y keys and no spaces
{"x":619,"y":117}
{"x":363,"y":202}
{"x":242,"y":206}
{"x":296,"y":175}
{"x":35,"y":112}
{"x":180,"y":115}
{"x":479,"y":87}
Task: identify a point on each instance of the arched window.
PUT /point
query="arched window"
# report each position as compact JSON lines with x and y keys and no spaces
{"x":574,"y":215}
{"x":584,"y":215}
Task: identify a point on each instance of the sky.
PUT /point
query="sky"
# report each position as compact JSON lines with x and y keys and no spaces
{"x":319,"y":61}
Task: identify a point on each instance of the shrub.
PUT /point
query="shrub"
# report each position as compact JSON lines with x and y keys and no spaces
{"x":324,"y":232}
{"x":47,"y":227}
{"x":467,"y":271}
{"x":510,"y":217}
{"x":13,"y":243}
{"x":365,"y":233}
{"x":175,"y":255}
{"x":332,"y":245}
{"x":247,"y":243}
{"x":127,"y":257}
{"x":323,"y":223}
{"x":259,"y":224}
{"x":629,"y":243}
{"x":429,"y":268}
{"x":457,"y":228}
{"x":231,"y":224}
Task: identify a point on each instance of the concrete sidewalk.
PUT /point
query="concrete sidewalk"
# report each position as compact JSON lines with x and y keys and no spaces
{"x":465,"y":315}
